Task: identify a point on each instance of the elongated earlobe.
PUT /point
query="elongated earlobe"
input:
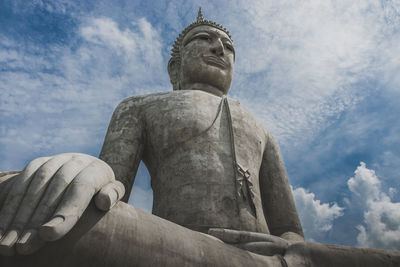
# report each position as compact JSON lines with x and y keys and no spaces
{"x":173,"y":71}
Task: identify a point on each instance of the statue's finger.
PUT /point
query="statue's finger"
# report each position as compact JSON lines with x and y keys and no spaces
{"x":30,"y":240}
{"x":247,"y":237}
{"x":12,"y":202}
{"x":109,"y":195}
{"x":263,"y":248}
{"x":6,"y":181}
{"x":7,"y":243}
{"x":226,"y":235}
{"x":75,"y":200}
{"x":236,"y":236}
{"x":56,"y":188}
{"x":14,"y":197}
{"x":31,"y":198}
{"x":29,"y":243}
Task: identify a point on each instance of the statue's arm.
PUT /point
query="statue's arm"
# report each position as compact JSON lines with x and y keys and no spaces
{"x":277,"y":199}
{"x":124,"y":142}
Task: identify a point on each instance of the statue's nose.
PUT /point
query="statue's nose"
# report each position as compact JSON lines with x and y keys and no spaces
{"x":217,"y":47}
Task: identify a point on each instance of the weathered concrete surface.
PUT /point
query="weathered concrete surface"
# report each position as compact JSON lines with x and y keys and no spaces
{"x":126,"y":236}
{"x":184,"y":139}
{"x":5,"y":184}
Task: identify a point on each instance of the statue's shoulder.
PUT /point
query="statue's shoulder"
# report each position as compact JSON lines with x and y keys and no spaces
{"x":138,"y":104}
{"x":249,"y":117}
{"x":141,"y":100}
{"x":134,"y":106}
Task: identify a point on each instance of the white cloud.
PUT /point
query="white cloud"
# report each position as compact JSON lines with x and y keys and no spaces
{"x":392,"y":192}
{"x":365,"y":184}
{"x":131,"y":56}
{"x":59,"y":99}
{"x":381,"y":226}
{"x":316,"y":217}
{"x":105,"y":31}
{"x":304,"y":61}
{"x":144,"y":42}
{"x":60,"y":6}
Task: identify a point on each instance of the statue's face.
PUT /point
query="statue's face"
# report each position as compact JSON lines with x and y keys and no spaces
{"x":207,"y":57}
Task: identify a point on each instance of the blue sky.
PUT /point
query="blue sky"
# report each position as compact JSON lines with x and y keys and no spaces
{"x":322,"y":76}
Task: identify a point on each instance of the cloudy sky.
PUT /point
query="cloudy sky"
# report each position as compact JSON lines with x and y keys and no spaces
{"x":322,"y":76}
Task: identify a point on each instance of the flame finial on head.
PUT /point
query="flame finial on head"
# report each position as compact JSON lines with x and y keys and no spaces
{"x":200,"y":15}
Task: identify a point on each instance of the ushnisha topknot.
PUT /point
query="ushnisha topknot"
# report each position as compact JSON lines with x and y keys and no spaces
{"x":199,"y":21}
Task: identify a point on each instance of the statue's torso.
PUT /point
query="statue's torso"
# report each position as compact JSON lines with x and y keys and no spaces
{"x":188,"y":152}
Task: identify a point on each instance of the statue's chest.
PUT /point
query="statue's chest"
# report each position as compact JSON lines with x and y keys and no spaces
{"x":172,"y":120}
{"x":189,"y":120}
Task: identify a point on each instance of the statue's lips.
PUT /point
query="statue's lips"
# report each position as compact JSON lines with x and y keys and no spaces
{"x":215,"y":61}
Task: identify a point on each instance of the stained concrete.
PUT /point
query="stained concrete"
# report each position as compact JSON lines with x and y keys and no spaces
{"x":126,"y":236}
{"x":183,"y":138}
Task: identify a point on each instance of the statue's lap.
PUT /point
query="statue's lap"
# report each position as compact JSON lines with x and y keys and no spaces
{"x":127,"y":236}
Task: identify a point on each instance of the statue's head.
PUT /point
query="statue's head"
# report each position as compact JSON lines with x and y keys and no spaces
{"x":202,"y":58}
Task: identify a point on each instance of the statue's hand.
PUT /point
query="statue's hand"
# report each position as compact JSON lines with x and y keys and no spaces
{"x":259,"y":243}
{"x":48,"y":197}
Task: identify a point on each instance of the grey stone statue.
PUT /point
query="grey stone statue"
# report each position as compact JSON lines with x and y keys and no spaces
{"x":221,"y":193}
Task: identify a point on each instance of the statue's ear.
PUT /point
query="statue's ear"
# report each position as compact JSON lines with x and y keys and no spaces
{"x":173,"y":71}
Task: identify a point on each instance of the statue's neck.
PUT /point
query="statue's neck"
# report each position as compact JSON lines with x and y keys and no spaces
{"x":204,"y":87}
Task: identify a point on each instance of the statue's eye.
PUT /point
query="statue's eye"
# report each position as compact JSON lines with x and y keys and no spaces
{"x":229,"y":47}
{"x":202,"y":37}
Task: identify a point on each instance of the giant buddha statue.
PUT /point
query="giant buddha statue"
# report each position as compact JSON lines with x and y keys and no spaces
{"x":221,"y":193}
